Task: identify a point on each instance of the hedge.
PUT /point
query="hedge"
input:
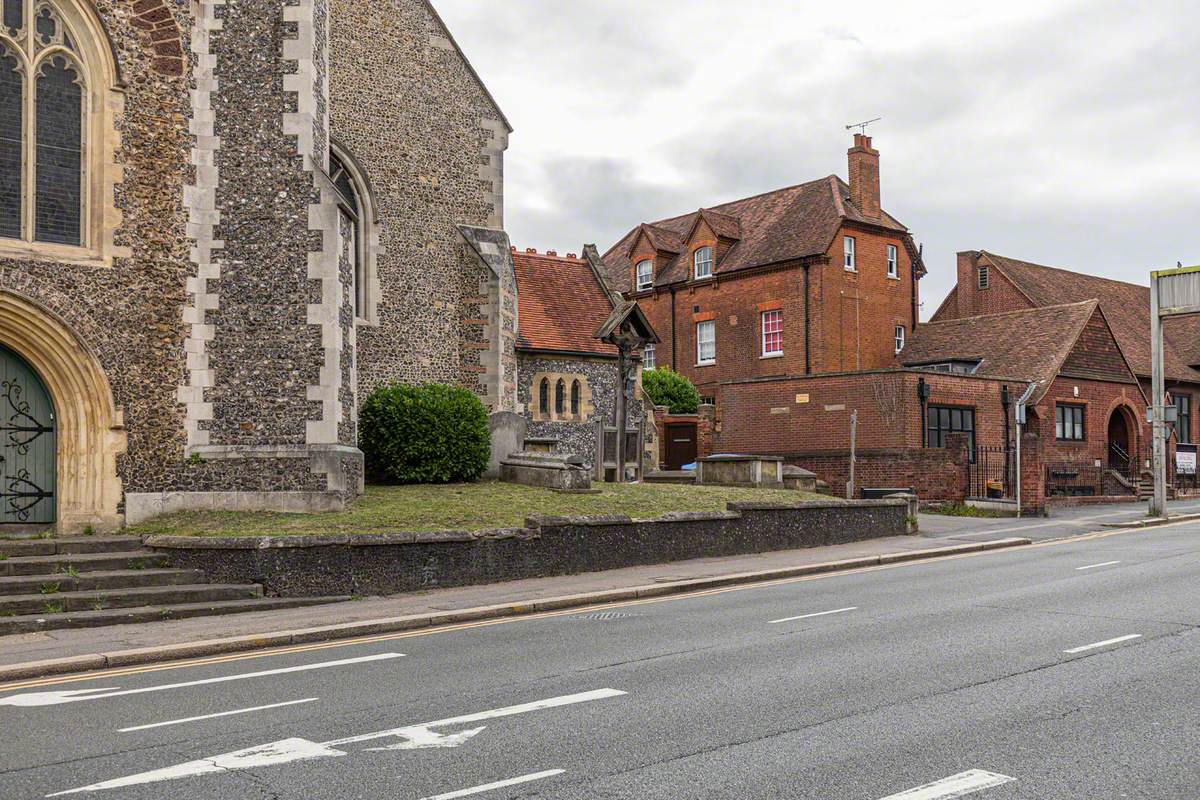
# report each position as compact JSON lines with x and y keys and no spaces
{"x":667,"y":388}
{"x":424,"y":434}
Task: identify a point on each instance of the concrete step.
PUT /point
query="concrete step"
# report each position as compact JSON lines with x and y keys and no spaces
{"x":52,"y":602}
{"x":28,"y":623}
{"x":14,"y":548}
{"x":82,"y":562}
{"x":90,"y":581}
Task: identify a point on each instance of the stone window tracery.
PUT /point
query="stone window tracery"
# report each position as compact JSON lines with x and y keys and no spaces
{"x":351,"y":187}
{"x":571,"y":401}
{"x":44,"y":116}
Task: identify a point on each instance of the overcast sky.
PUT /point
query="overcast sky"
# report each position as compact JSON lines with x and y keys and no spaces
{"x":1065,"y":132}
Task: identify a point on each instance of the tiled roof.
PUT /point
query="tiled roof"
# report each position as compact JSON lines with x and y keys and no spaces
{"x":1028,"y":345}
{"x":1184,"y":335}
{"x":561,"y":304}
{"x":783,"y":225}
{"x":1126,"y":305}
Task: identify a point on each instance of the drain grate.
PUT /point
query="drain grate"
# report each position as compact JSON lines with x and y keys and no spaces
{"x":606,"y":615}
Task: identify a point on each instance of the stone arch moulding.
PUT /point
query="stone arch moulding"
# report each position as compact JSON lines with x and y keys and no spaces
{"x":91,"y":431}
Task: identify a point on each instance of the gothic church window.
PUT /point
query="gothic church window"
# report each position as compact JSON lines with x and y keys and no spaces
{"x":43,"y":121}
{"x":560,"y":398}
{"x":352,"y":195}
{"x":575,"y":398}
{"x":544,"y":398}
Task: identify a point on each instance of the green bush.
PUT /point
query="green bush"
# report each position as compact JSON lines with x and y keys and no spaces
{"x":423,"y":434}
{"x":667,"y":388}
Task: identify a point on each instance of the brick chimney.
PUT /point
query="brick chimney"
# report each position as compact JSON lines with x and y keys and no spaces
{"x":864,"y":176}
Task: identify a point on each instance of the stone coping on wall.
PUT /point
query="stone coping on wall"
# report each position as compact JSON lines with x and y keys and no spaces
{"x":735,"y":457}
{"x":533,"y":525}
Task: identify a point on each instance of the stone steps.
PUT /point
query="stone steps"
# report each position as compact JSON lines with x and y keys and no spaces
{"x":65,"y":563}
{"x":29,"y":623}
{"x":14,"y":548}
{"x":57,"y":602}
{"x":88,"y":581}
{"x":91,"y":581}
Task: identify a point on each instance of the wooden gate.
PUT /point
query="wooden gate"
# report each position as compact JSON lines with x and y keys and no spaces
{"x":28,"y":452}
{"x":681,"y":444}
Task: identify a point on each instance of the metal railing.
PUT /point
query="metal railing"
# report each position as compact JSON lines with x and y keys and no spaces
{"x":992,"y":473}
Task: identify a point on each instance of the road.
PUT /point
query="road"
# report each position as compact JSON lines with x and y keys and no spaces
{"x":1063,"y":670}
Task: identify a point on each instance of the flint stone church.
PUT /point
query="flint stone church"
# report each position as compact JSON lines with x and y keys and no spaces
{"x":222,"y":222}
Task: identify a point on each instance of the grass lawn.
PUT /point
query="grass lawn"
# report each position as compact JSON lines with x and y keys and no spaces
{"x":473,"y":506}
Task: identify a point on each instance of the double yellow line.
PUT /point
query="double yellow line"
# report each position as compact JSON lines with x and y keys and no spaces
{"x":432,"y":631}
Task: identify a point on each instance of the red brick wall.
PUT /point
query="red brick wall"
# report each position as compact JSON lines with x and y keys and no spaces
{"x":1100,"y":401}
{"x":812,"y":414}
{"x":733,"y":304}
{"x":971,"y":301}
{"x":852,"y":323}
{"x":855,"y":313}
{"x":934,"y":474}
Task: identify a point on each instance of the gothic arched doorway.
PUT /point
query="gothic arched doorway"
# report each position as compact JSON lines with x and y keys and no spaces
{"x":88,"y":430}
{"x":28,"y":451}
{"x":1121,"y":441}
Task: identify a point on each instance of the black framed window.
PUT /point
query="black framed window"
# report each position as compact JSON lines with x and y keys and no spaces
{"x":943,"y":420}
{"x":544,"y":396}
{"x":575,"y":392}
{"x":560,"y":397}
{"x":1069,"y":423}
{"x":1183,"y":428}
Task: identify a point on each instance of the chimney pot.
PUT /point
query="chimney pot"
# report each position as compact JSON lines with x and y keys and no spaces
{"x":864,"y":176}
{"x":551,"y":252}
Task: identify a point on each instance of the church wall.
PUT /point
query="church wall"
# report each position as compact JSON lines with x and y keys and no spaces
{"x":120,"y":297}
{"x":407,"y":107}
{"x":598,"y":400}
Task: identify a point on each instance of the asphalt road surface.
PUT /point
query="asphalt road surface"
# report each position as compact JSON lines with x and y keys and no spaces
{"x":1066,"y":670}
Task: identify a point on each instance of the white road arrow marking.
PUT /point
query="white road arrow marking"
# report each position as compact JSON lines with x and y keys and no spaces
{"x":963,"y":783}
{"x":33,"y":699}
{"x":487,"y":787}
{"x":420,"y":738}
{"x":288,"y":751}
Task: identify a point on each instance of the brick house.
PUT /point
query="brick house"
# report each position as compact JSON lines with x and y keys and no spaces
{"x":809,"y":279}
{"x":956,"y":382}
{"x":989,"y":283}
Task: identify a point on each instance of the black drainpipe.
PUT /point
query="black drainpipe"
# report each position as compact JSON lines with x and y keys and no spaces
{"x":674,"y":366}
{"x":1005,"y":402}
{"x":923,"y":397}
{"x":807,"y":347}
{"x":916,"y":311}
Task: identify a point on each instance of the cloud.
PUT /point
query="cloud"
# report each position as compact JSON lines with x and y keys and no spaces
{"x":1061,"y":131}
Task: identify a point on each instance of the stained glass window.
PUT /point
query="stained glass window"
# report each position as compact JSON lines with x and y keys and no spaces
{"x":47,"y":26}
{"x":14,"y":16}
{"x":59,"y":121}
{"x":12,"y":120}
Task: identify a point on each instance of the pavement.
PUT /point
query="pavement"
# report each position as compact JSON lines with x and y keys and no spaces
{"x":92,"y":648}
{"x":1064,"y":669}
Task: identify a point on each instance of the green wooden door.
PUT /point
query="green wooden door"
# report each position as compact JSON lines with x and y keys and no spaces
{"x":28,"y":451}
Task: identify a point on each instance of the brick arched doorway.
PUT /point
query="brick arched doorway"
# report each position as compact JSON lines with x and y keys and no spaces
{"x":1122,"y":441}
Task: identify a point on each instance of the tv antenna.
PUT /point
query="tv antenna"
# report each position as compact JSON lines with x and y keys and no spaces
{"x":862,"y":126}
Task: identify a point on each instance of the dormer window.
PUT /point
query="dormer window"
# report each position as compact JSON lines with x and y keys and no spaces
{"x":645,"y":275}
{"x":703,"y":260}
